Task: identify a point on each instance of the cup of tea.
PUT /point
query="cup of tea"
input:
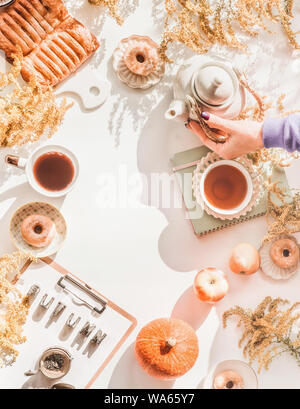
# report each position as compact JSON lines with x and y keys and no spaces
{"x":226,"y":187}
{"x":51,"y":170}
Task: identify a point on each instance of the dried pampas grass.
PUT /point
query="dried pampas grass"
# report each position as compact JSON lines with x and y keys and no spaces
{"x":199,"y":24}
{"x":268,"y":330}
{"x":27,"y":112}
{"x":13,"y":307}
{"x":112,"y":6}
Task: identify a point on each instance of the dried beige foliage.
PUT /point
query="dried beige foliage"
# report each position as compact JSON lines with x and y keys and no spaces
{"x":283,"y":215}
{"x":112,"y":6}
{"x":199,"y":24}
{"x":27,"y":112}
{"x":267,"y":331}
{"x":13,"y":307}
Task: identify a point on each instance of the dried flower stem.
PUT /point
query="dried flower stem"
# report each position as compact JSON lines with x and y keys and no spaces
{"x":27,"y":112}
{"x":13,"y":307}
{"x":199,"y":24}
{"x":112,"y":6}
{"x":267,"y":331}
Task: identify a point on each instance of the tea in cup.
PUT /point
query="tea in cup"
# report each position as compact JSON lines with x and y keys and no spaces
{"x":226,"y":187}
{"x":51,"y":170}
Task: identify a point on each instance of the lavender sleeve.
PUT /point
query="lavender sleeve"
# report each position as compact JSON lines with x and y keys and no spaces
{"x":282,"y":133}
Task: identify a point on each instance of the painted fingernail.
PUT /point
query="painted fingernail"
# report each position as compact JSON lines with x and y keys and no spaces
{"x":205,"y":115}
{"x":187,"y":123}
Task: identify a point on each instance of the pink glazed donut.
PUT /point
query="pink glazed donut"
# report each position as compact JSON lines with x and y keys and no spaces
{"x":38,"y":230}
{"x":228,"y":380}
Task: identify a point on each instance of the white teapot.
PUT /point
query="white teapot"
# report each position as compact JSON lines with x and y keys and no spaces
{"x":213,"y":82}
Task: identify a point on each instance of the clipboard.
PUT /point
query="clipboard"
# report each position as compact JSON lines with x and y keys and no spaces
{"x":43,"y":331}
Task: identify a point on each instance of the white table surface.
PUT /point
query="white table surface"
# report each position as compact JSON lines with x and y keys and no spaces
{"x":143,"y":257}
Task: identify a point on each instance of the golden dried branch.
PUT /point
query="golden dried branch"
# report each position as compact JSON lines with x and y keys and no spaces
{"x":199,"y":24}
{"x":267,"y":331}
{"x":283,"y":216}
{"x":27,"y":112}
{"x":13,"y":307}
{"x":112,"y":6}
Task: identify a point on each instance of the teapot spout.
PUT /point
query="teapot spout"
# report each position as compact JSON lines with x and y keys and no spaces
{"x":177,"y":108}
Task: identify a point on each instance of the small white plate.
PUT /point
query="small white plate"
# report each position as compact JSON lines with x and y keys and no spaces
{"x":242,"y":368}
{"x":44,"y":209}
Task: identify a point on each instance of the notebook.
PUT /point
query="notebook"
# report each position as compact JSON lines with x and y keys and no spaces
{"x":202,"y":222}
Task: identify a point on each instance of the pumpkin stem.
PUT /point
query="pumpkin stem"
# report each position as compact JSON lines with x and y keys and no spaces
{"x":171,"y":342}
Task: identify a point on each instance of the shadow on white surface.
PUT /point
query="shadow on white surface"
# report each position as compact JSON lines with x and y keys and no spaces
{"x":191,"y":310}
{"x":178,"y":246}
{"x":129,"y":375}
{"x":201,"y":384}
{"x":128,"y":103}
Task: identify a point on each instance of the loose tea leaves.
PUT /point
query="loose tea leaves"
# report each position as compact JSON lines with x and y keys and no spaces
{"x":199,"y":24}
{"x":54,"y":362}
{"x":268,"y":331}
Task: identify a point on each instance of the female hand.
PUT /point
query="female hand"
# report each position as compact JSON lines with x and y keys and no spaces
{"x":243,"y":136}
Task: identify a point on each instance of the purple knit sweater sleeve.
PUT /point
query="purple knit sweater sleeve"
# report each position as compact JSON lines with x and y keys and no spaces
{"x":282,"y":133}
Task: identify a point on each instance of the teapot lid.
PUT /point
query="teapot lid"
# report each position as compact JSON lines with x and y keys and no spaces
{"x":214,"y":84}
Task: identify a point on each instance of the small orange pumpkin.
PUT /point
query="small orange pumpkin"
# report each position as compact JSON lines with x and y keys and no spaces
{"x":244,"y":259}
{"x":167,"y":348}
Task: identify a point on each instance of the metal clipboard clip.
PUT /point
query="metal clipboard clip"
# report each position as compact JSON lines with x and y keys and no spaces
{"x":85,"y":288}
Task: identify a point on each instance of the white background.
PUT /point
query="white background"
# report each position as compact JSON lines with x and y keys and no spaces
{"x":145,"y":258}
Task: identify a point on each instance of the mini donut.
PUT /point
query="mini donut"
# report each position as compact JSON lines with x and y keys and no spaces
{"x":38,"y":230}
{"x":141,"y":59}
{"x":228,"y":380}
{"x":285,"y":253}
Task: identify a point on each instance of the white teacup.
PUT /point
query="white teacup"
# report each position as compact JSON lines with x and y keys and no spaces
{"x":249,"y":191}
{"x":28,"y":165}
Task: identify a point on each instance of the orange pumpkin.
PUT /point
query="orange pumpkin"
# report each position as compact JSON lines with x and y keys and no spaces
{"x":244,"y":259}
{"x":167,"y":348}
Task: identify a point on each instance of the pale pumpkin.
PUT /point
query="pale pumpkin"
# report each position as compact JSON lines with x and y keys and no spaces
{"x":244,"y":259}
{"x":167,"y":348}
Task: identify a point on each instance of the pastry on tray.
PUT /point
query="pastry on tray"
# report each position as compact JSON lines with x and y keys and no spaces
{"x":60,"y":54}
{"x":53,"y":43}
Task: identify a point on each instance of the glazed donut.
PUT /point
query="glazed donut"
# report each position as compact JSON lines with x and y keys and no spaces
{"x":285,"y":253}
{"x":142,"y":59}
{"x":228,"y":380}
{"x":38,"y":230}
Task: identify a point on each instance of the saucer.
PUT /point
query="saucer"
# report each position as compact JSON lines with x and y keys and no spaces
{"x":257,"y":182}
{"x":44,"y":209}
{"x":242,"y":368}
